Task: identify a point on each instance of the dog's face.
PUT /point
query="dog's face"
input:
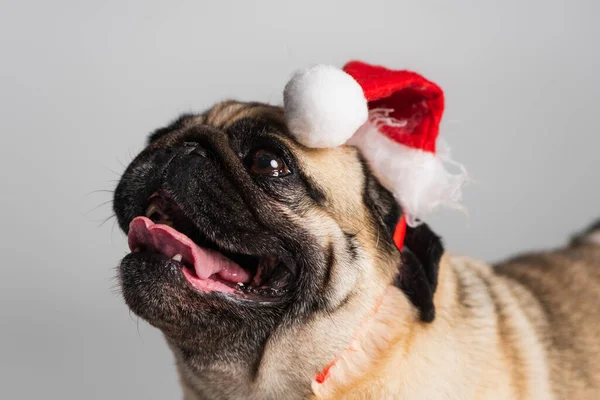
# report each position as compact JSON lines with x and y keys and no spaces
{"x":238,"y":231}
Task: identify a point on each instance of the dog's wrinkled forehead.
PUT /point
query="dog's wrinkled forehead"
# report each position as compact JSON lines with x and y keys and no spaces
{"x":223,"y":115}
{"x":336,"y":175}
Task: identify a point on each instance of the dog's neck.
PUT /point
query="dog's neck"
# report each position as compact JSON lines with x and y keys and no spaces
{"x":356,"y":324}
{"x":370,"y":343}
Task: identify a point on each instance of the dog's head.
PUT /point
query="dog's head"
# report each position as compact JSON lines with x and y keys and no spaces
{"x":238,"y":231}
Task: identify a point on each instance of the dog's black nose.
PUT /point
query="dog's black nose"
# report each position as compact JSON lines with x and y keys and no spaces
{"x":195,"y":148}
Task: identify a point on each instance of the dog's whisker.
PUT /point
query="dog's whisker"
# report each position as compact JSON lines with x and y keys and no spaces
{"x":112,"y":229}
{"x":106,"y":220}
{"x":122,"y":164}
{"x":131,"y":155}
{"x":114,"y":172}
{"x":98,"y":206}
{"x":116,"y":290}
{"x":136,"y":319}
{"x":111,"y":191}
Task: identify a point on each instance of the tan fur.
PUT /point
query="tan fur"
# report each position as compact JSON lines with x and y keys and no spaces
{"x":526,"y":329}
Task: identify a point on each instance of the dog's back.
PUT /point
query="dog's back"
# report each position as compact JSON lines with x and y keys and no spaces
{"x":560,"y":293}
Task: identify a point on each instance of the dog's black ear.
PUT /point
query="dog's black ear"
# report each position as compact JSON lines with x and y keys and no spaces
{"x":421,"y":254}
{"x":418,"y":276}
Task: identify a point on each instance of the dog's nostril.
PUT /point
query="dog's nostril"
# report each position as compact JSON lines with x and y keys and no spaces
{"x":195,"y":148}
{"x":200,"y":152}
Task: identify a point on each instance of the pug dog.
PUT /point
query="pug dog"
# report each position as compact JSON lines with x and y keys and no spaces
{"x":271,"y":270}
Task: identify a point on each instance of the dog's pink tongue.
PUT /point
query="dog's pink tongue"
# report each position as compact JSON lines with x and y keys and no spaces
{"x":158,"y":238}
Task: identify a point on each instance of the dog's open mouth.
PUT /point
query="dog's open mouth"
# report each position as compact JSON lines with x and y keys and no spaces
{"x":167,"y":233}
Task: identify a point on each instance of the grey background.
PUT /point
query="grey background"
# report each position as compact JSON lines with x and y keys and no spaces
{"x":82,"y":83}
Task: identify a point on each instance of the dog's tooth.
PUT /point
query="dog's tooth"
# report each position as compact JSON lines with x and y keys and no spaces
{"x":177,"y":257}
{"x":152,"y":208}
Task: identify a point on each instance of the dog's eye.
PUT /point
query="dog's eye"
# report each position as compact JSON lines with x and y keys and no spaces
{"x":264,"y":162}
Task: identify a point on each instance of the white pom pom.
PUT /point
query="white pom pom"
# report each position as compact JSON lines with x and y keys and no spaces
{"x":324,"y":106}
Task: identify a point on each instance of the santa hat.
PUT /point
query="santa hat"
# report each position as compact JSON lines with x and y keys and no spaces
{"x":393,"y":117}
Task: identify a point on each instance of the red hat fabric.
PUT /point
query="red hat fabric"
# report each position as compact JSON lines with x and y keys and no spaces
{"x":399,"y":139}
{"x":414,"y":102}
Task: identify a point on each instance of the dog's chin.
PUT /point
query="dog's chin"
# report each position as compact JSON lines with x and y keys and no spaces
{"x":197,"y":289}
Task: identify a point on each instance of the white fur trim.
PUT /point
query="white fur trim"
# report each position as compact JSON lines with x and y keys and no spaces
{"x":417,"y":178}
{"x":324,"y":106}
